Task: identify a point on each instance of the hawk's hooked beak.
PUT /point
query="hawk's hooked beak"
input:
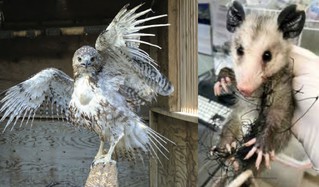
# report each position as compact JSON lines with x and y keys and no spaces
{"x":86,"y":63}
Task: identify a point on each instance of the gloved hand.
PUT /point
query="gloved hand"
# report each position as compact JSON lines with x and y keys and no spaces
{"x":306,"y":80}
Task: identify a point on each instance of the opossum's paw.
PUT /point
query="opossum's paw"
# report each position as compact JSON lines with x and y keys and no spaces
{"x":227,"y":148}
{"x":227,"y":152}
{"x":262,"y":151}
{"x":222,"y":87}
{"x":234,"y":163}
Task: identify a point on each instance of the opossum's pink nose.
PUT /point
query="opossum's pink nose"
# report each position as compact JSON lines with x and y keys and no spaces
{"x":245,"y":89}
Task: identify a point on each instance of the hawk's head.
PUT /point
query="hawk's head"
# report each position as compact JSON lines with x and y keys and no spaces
{"x":86,"y":60}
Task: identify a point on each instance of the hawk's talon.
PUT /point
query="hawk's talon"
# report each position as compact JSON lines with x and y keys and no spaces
{"x":103,"y":159}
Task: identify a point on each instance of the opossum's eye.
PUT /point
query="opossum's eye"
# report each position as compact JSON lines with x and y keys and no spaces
{"x":240,"y":51}
{"x":267,"y":56}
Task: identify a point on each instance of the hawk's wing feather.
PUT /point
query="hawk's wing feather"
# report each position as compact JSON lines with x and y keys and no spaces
{"x":120,"y":43}
{"x":119,"y":46}
{"x":131,"y":95}
{"x":123,"y":30}
{"x":153,"y":77}
{"x":48,"y":87}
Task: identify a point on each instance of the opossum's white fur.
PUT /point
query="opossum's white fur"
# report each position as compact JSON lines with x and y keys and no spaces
{"x":263,"y":75}
{"x":256,"y":35}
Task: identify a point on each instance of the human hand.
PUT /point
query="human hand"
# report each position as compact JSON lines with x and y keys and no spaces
{"x":306,"y":119}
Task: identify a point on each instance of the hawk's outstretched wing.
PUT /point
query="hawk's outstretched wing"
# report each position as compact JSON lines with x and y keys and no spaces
{"x":49,"y":87}
{"x":119,"y":44}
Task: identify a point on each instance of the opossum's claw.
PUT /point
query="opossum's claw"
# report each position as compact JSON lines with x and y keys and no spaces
{"x":211,"y":152}
{"x":272,"y":155}
{"x":231,"y":147}
{"x":267,"y":155}
{"x":228,"y":81}
{"x":253,"y":150}
{"x":267,"y":160}
{"x":259,"y":158}
{"x":234,"y":145}
{"x":250,"y":142}
{"x":234,"y":163}
{"x":250,"y":153}
{"x":217,"y":88}
{"x":228,"y":148}
{"x":222,"y":86}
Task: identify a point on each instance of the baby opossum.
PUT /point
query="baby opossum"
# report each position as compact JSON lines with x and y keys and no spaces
{"x":262,"y":74}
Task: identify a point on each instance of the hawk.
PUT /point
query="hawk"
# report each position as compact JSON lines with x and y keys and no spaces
{"x":109,"y":83}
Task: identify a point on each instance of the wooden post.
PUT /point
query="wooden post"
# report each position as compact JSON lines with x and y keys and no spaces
{"x":103,"y":175}
{"x":244,"y":176}
{"x":179,"y":54}
{"x":180,"y":169}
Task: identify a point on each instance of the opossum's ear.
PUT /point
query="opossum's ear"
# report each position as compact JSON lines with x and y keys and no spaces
{"x":235,"y":16}
{"x":291,"y":21}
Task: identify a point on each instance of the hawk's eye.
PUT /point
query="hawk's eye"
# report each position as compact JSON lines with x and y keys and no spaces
{"x":79,"y":59}
{"x":267,"y":56}
{"x":92,"y":59}
{"x":240,"y":51}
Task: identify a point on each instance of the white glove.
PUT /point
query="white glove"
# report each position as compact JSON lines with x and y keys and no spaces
{"x":306,"y":72}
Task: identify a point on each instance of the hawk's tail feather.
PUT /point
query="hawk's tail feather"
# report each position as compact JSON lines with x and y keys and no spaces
{"x":154,"y":154}
{"x":140,"y":139}
{"x":160,"y":136}
{"x":159,"y":148}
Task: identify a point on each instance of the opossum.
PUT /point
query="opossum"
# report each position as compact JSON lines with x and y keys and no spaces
{"x":262,"y":76}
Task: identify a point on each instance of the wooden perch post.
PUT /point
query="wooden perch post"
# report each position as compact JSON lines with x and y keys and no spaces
{"x":244,"y":176}
{"x":103,"y":175}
